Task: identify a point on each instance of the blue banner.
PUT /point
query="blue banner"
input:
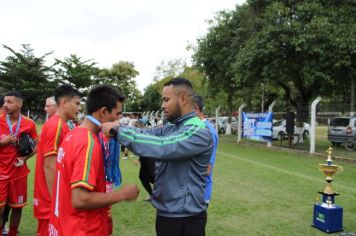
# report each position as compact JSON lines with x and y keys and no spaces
{"x":257,"y":126}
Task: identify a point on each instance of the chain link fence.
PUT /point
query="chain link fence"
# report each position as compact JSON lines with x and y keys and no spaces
{"x":335,"y":125}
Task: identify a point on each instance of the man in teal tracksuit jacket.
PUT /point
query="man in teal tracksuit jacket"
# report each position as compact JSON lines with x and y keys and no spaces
{"x":182,"y":150}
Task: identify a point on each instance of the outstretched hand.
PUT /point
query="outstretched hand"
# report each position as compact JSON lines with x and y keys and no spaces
{"x":105,"y":127}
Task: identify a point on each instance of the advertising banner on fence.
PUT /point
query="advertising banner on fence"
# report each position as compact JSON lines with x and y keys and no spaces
{"x":257,"y":126}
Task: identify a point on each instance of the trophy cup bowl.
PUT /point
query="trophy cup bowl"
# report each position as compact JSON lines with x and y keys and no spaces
{"x":329,"y":171}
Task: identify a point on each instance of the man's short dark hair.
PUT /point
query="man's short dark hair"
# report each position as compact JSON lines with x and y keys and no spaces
{"x":2,"y":101}
{"x":182,"y":85}
{"x":65,"y":91}
{"x":15,"y":94}
{"x":198,"y":100}
{"x":179,"y":81}
{"x":103,"y":96}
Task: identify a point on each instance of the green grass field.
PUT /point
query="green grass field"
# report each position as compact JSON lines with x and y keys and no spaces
{"x":256,"y":192}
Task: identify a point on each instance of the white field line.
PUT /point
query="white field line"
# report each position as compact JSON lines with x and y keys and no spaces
{"x":307,"y":177}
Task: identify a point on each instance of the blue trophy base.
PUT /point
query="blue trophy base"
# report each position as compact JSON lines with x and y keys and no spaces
{"x":327,"y":219}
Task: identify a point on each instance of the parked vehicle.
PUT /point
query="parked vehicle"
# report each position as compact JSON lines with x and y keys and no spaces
{"x":350,"y":144}
{"x":222,"y":124}
{"x":341,"y":129}
{"x":279,"y":130}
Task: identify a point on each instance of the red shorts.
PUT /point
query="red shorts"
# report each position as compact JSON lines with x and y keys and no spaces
{"x":42,"y":227}
{"x":14,"y":193}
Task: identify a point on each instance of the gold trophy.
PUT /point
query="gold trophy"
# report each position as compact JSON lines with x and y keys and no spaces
{"x":329,"y":171}
{"x":327,"y":215}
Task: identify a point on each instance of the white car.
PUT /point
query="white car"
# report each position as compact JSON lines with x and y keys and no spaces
{"x":222,"y":124}
{"x":279,"y":130}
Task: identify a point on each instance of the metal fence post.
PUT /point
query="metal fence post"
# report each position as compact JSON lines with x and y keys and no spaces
{"x":216,"y":119}
{"x":313,"y":124}
{"x":239,"y":128}
{"x":270,"y":109}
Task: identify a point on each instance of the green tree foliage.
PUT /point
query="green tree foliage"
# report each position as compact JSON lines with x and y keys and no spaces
{"x":152,"y":98}
{"x":215,"y":57}
{"x":28,"y":74}
{"x":78,"y":73}
{"x":195,"y":77}
{"x":171,"y":68}
{"x":303,"y":48}
{"x":121,"y":75}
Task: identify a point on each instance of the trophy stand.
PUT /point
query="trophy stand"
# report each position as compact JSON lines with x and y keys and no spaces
{"x":327,"y":215}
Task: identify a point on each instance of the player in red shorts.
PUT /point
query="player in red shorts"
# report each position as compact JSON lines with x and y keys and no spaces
{"x":52,"y":135}
{"x":13,"y":167}
{"x":80,"y":204}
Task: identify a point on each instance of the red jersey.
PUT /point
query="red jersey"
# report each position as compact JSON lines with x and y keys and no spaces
{"x":52,"y":134}
{"x":79,"y":164}
{"x":8,"y":153}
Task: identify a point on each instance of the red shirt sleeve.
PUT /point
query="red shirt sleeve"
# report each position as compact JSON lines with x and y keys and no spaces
{"x":54,"y":134}
{"x":87,"y":163}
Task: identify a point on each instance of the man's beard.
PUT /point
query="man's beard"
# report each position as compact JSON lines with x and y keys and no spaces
{"x":176,"y":114}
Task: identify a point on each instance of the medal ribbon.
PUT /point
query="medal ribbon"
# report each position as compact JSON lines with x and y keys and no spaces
{"x":8,"y":121}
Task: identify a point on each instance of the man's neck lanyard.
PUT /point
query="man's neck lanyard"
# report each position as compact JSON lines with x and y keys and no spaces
{"x":111,"y":156}
{"x":101,"y":139}
{"x":8,"y":121}
{"x":93,"y":120}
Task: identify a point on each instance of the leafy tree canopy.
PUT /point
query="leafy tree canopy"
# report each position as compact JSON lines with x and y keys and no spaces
{"x":121,"y":75}
{"x":297,"y":49}
{"x":77,"y":72}
{"x":24,"y":72}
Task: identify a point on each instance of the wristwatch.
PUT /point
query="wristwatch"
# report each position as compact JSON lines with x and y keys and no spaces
{"x":113,"y":131}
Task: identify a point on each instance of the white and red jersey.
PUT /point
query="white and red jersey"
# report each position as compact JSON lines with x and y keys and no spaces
{"x":79,"y":164}
{"x":52,"y":135}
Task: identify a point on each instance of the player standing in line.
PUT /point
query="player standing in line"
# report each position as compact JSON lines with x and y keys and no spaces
{"x":13,"y":167}
{"x":80,"y":204}
{"x":52,"y":135}
{"x":199,"y":106}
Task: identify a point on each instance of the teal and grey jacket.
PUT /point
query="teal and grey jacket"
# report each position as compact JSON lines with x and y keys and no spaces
{"x":182,"y":150}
